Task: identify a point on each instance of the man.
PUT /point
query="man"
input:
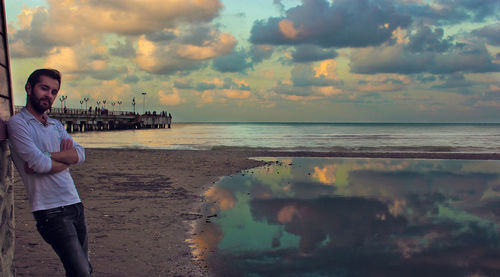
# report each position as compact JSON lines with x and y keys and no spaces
{"x":43,"y":151}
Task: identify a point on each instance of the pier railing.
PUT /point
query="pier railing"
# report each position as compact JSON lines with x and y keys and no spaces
{"x":82,"y":120}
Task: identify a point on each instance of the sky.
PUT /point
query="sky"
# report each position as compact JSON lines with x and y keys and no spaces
{"x":267,"y":60}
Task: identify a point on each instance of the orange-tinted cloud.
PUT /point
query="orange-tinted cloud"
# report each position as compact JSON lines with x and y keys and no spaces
{"x":165,"y":58}
{"x":287,"y":29}
{"x":171,"y":99}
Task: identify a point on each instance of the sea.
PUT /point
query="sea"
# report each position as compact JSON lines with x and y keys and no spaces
{"x":387,"y":137}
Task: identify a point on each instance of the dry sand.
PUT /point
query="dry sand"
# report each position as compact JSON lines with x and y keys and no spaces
{"x":140,"y":205}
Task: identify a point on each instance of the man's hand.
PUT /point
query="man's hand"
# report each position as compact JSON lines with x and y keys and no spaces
{"x":66,"y":144}
{"x":67,"y":153}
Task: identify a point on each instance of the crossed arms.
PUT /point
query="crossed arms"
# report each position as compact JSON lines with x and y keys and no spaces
{"x":32,"y":159}
{"x":60,"y":160}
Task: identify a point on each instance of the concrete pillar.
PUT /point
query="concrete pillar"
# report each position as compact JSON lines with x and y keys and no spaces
{"x":7,"y":222}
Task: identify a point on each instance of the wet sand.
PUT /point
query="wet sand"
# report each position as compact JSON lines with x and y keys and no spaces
{"x":140,"y":205}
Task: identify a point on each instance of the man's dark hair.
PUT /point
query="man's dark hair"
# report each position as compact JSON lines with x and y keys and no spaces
{"x":34,"y":78}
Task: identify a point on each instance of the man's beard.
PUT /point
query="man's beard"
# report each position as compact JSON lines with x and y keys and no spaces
{"x":35,"y":103}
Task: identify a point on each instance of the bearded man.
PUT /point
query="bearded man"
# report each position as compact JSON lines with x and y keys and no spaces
{"x":43,"y":151}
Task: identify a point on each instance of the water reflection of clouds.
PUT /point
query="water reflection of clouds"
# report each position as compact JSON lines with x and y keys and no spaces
{"x":340,"y":221}
{"x":205,"y":239}
{"x":221,"y":197}
{"x":414,"y":217}
{"x":326,"y":174}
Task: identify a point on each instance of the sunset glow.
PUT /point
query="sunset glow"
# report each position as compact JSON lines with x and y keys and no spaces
{"x":275,"y":60}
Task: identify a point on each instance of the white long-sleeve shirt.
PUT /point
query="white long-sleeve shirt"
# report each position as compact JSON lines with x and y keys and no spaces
{"x":30,"y":140}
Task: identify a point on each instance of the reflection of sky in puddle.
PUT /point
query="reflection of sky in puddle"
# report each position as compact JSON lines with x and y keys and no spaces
{"x":354,"y":217}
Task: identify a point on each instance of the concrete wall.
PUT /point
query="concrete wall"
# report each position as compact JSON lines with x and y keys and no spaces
{"x":6,"y":179}
{"x":7,"y":223}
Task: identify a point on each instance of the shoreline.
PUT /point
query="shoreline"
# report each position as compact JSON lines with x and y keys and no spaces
{"x":140,"y":205}
{"x":392,"y":155}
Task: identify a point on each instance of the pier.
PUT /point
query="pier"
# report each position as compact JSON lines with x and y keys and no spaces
{"x":81,"y":120}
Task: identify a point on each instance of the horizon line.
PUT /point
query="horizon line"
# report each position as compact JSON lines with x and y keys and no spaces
{"x":326,"y":122}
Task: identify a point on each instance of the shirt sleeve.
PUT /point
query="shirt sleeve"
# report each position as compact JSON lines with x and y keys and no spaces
{"x":22,"y":143}
{"x":79,"y":149}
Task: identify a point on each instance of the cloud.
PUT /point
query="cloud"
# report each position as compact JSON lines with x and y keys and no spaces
{"x":312,"y":53}
{"x":456,"y":80}
{"x":469,"y":57}
{"x":236,"y":93}
{"x":108,"y":73}
{"x":223,"y":89}
{"x":161,"y":35}
{"x":35,"y":38}
{"x":304,"y":75}
{"x":65,"y":59}
{"x":69,"y":22}
{"x":84,"y":60}
{"x":221,"y":44}
{"x":426,"y":39}
{"x":258,"y":53}
{"x":168,"y":57}
{"x":383,"y":82}
{"x":205,"y":85}
{"x":442,"y":12}
{"x":128,"y":18}
{"x":304,"y":94}
{"x":124,"y":50}
{"x":111,"y":90}
{"x":182,"y":83}
{"x":171,"y":99}
{"x":340,"y":23}
{"x":309,"y":82}
{"x":131,"y":79}
{"x":426,"y":78}
{"x":237,"y":61}
{"x":490,"y":33}
{"x":491,"y":97}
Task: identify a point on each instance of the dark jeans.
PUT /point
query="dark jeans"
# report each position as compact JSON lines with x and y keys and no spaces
{"x":65,"y":229}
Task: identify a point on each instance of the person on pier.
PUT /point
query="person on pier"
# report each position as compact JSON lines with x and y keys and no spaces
{"x":43,"y":151}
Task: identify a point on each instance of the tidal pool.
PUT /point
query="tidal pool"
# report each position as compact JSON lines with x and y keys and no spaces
{"x":354,"y":217}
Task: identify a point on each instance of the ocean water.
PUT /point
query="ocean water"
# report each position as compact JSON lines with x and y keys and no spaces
{"x":473,"y":138}
{"x":353,"y":217}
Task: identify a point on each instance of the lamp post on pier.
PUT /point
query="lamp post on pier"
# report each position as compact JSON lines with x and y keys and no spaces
{"x":119,"y":105}
{"x":98,"y":108}
{"x":81,"y":104}
{"x":85,"y":99}
{"x":144,"y":102}
{"x":133,"y":104}
{"x":104,"y":104}
{"x":62,"y":99}
{"x":113,"y":104}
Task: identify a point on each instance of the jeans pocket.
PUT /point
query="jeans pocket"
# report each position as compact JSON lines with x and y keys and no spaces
{"x":55,"y":229}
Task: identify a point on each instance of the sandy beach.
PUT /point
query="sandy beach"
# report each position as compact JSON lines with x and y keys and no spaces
{"x":140,"y":205}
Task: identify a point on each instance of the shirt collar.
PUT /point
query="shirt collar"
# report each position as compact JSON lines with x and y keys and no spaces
{"x":29,"y":116}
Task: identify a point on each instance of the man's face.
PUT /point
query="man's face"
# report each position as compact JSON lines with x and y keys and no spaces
{"x":43,"y":94}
